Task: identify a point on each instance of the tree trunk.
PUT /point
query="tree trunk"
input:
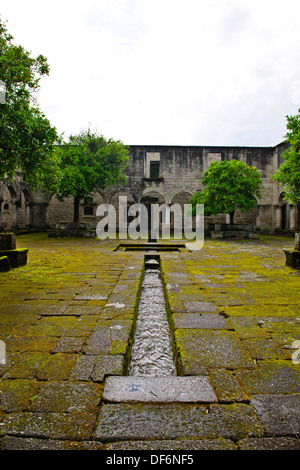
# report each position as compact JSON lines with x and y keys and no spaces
{"x":76,"y":209}
{"x":231,"y":217}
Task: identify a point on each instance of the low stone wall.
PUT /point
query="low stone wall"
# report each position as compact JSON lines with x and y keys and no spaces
{"x":219,"y":231}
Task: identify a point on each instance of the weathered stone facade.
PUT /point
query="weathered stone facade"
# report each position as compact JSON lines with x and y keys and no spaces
{"x":157,"y":174}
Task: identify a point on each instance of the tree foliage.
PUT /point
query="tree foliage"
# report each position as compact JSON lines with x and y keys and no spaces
{"x":228,"y":185}
{"x":27,"y":137}
{"x":288,"y":173}
{"x":89,"y":162}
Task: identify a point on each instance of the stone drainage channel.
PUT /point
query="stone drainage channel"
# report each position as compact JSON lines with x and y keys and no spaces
{"x":152,"y":371}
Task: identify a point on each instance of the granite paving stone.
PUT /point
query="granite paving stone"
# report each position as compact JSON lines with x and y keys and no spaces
{"x":67,"y":320}
{"x":180,"y":444}
{"x":65,"y":396}
{"x":214,"y":348}
{"x":141,"y":421}
{"x":278,"y":413}
{"x":159,"y":389}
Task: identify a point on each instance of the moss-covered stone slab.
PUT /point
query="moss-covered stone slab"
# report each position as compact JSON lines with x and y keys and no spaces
{"x":227,"y":387}
{"x":247,"y":327}
{"x":175,"y":421}
{"x":271,"y":377}
{"x":266,"y":348}
{"x":107,"y":365}
{"x":57,"y":367}
{"x":31,"y":443}
{"x":200,"y":307}
{"x":213,"y":348}
{"x":72,"y":426}
{"x":64,"y":326}
{"x":26,"y":365}
{"x":209,"y":321}
{"x":99,"y":341}
{"x":65,"y":396}
{"x":279,"y":414}
{"x":269,"y":443}
{"x":4,"y":264}
{"x":17,"y":257}
{"x":259,"y":310}
{"x":16,"y":395}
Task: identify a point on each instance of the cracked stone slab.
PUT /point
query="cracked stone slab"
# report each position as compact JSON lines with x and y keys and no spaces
{"x":159,"y":389}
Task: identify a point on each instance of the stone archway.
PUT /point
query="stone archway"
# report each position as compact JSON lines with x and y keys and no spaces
{"x":115,"y":201}
{"x":283,"y":214}
{"x":153,"y":198}
{"x":181,"y":198}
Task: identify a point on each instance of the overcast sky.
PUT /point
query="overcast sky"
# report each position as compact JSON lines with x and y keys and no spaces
{"x":166,"y":72}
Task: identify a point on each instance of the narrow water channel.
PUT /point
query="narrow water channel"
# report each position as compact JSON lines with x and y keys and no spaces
{"x":151,"y":353}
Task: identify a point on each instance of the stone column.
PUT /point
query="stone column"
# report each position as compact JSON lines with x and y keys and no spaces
{"x":278,"y":217}
{"x":297,"y":241}
{"x":292,"y":218}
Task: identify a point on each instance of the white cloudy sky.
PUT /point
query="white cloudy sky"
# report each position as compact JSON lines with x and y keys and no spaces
{"x":166,"y":72}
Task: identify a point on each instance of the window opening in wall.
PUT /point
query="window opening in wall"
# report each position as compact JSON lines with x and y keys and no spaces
{"x":6,"y":206}
{"x":154,"y":170}
{"x":88,"y":210}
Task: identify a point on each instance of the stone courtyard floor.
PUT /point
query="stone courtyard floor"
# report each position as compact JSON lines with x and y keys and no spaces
{"x":66,"y":320}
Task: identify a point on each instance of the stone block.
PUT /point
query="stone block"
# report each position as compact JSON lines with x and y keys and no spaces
{"x":72,"y":426}
{"x":279,"y":414}
{"x":297,"y":241}
{"x":198,"y":306}
{"x":159,"y":389}
{"x":4,"y":264}
{"x":292,"y":258}
{"x":126,"y":421}
{"x":64,"y":396}
{"x":217,"y":235}
{"x":214,"y":348}
{"x":269,"y":443}
{"x":210,"y":321}
{"x":7,"y":241}
{"x":16,"y":257}
{"x":180,"y":444}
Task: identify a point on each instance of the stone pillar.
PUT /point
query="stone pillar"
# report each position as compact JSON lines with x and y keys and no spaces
{"x":7,"y":241}
{"x":27,"y":214}
{"x":297,"y":241}
{"x":292,"y":218}
{"x":278,"y":217}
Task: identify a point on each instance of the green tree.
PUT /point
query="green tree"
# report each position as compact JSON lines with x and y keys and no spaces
{"x":288,"y":173}
{"x":90,"y":162}
{"x":228,"y":185}
{"x":27,"y":137}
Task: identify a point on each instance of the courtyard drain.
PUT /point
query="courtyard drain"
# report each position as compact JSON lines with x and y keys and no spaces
{"x":149,"y":246}
{"x":152,"y":375}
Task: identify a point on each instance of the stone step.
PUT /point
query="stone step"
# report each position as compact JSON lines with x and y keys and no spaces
{"x":189,"y":389}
